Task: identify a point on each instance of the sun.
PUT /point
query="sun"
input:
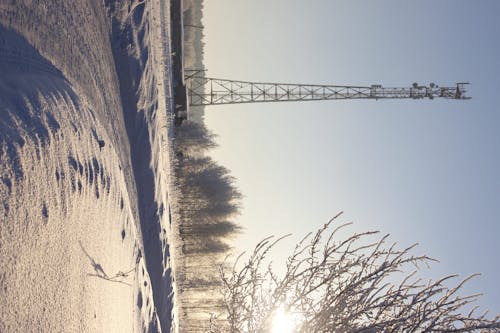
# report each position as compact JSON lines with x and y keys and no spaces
{"x":282,"y":322}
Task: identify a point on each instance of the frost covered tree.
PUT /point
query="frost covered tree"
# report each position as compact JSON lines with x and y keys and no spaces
{"x":193,"y":137}
{"x":355,"y":284}
{"x":207,"y":200}
{"x":208,"y":189}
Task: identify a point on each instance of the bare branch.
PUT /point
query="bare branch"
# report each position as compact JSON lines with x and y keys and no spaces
{"x":345,"y":285}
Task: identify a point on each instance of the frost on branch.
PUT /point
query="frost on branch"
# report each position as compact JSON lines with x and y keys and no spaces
{"x":348,"y":285}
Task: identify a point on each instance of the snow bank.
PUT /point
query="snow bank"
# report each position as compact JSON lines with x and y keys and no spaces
{"x":84,"y":167}
{"x":68,"y":228}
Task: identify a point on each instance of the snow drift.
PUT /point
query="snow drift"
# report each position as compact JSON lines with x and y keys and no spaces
{"x":84,"y":166}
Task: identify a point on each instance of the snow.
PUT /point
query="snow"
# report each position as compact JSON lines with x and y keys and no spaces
{"x":85,"y":129}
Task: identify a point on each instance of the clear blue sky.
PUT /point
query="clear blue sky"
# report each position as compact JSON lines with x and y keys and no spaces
{"x":423,"y":171}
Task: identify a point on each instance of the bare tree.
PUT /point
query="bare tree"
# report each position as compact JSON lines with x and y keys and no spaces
{"x":347,"y":285}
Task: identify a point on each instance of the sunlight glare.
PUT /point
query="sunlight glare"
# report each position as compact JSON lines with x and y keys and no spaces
{"x":282,"y":322}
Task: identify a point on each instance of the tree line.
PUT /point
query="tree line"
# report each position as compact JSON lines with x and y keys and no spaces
{"x":208,"y":201}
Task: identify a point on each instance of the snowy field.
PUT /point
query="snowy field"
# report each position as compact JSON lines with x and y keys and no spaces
{"x":84,"y":166}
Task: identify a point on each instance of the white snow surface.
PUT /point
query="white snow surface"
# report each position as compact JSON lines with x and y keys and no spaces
{"x":85,"y":123}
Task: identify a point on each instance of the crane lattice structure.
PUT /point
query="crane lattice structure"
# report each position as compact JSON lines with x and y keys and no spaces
{"x":203,"y":91}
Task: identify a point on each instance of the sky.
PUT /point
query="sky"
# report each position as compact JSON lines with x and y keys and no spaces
{"x":426,"y":172}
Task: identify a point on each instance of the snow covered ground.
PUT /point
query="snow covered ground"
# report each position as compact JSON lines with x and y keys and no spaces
{"x":85,"y":105}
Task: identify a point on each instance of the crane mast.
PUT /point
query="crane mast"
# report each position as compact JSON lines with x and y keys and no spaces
{"x":203,"y":91}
